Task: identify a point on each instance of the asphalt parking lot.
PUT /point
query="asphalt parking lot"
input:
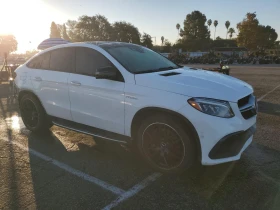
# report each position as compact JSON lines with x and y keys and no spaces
{"x":68,"y":170}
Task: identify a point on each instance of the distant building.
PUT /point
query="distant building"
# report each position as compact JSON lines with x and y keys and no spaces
{"x":195,"y":54}
{"x":272,"y":52}
{"x":229,"y":51}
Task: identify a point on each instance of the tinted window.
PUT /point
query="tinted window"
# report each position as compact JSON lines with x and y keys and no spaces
{"x":40,"y":62}
{"x":63,"y":59}
{"x":88,"y":60}
{"x":138,"y":59}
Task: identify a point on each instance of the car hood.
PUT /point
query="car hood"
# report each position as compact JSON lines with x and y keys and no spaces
{"x":196,"y":83}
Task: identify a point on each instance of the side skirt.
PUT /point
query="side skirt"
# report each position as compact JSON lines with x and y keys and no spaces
{"x":92,"y":131}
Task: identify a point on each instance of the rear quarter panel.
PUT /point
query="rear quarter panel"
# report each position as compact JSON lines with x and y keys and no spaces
{"x":22,"y":79}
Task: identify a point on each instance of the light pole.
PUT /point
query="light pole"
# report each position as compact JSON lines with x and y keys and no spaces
{"x":154,"y":37}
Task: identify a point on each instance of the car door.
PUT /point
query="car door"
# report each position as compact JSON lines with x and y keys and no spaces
{"x":96,"y":102}
{"x":50,"y":80}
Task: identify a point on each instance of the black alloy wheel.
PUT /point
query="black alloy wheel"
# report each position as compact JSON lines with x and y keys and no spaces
{"x":163,"y":146}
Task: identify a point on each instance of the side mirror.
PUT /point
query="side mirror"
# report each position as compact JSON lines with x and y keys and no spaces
{"x":108,"y":72}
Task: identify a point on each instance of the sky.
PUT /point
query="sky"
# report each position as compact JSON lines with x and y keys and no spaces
{"x":30,"y":20}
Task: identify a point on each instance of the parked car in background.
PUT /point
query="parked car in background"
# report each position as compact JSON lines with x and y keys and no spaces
{"x":126,"y":93}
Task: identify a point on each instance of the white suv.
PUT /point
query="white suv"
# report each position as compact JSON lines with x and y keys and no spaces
{"x":127,"y":93}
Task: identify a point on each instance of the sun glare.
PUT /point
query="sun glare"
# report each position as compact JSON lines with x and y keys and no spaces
{"x":28,"y":20}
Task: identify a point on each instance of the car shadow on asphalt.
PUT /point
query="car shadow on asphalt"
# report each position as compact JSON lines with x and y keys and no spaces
{"x":249,"y":183}
{"x":253,"y":182}
{"x":106,"y":161}
{"x":269,"y":108}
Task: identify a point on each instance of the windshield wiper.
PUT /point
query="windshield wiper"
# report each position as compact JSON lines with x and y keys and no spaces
{"x":156,"y":70}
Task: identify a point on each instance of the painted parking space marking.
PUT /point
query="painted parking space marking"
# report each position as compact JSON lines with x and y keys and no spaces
{"x":134,"y":190}
{"x":122,"y":194}
{"x":69,"y":169}
{"x":262,"y":97}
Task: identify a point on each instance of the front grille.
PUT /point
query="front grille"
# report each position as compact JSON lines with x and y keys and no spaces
{"x":247,"y":106}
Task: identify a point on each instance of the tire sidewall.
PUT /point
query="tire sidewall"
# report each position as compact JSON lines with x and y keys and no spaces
{"x":41,"y":113}
{"x":185,"y":135}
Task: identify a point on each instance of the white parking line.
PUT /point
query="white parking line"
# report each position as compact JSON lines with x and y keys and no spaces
{"x":262,"y":97}
{"x":69,"y":169}
{"x":133,"y":191}
{"x":123,"y":195}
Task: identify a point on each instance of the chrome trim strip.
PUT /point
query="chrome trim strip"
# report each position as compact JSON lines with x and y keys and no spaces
{"x":247,"y":109}
{"x":91,"y":134}
{"x":249,"y":105}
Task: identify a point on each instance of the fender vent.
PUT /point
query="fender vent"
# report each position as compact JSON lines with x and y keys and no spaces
{"x":170,"y":74}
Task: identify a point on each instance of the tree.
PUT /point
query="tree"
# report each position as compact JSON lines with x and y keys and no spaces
{"x":8,"y":44}
{"x":126,"y":32}
{"x":266,"y":37}
{"x":254,"y":36}
{"x":166,"y":46}
{"x":94,"y":28}
{"x":215,"y":25}
{"x":196,"y":35}
{"x":218,"y":38}
{"x":146,"y":40}
{"x":55,"y":33}
{"x":209,"y":23}
{"x":98,"y":28}
{"x":219,"y":42}
{"x":60,"y":29}
{"x":64,"y":33}
{"x":248,"y":30}
{"x":72,"y":30}
{"x":181,"y":32}
{"x":162,"y":40}
{"x":178,"y":27}
{"x":230,"y":32}
{"x":227,"y":24}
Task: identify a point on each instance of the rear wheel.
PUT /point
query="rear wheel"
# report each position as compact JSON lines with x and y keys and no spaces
{"x":33,"y":114}
{"x":165,"y":144}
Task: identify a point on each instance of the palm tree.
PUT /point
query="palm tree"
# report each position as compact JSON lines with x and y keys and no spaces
{"x":227,"y":24}
{"x":178,"y":27}
{"x":162,"y":40}
{"x":209,"y":23}
{"x":231,"y":31}
{"x":215,"y":24}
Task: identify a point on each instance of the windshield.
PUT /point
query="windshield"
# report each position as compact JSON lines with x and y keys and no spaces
{"x":138,"y":59}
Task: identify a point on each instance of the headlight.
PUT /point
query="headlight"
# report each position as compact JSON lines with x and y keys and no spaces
{"x":212,"y":107}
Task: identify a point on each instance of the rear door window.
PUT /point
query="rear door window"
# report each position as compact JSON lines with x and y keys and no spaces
{"x":88,"y":60}
{"x":40,"y":62}
{"x":63,"y":59}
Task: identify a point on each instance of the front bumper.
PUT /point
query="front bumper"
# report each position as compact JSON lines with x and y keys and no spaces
{"x":231,"y":144}
{"x":221,"y":139}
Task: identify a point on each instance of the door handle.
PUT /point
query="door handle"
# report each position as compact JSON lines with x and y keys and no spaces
{"x":37,"y":78}
{"x":75,"y":83}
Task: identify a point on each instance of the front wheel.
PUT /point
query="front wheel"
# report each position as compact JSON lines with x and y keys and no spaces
{"x":165,"y":144}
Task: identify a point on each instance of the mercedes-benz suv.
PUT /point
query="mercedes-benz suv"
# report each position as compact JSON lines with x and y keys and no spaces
{"x":174,"y":115}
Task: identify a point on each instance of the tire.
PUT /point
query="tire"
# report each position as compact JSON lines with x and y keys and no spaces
{"x":33,"y":114}
{"x":165,"y":144}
